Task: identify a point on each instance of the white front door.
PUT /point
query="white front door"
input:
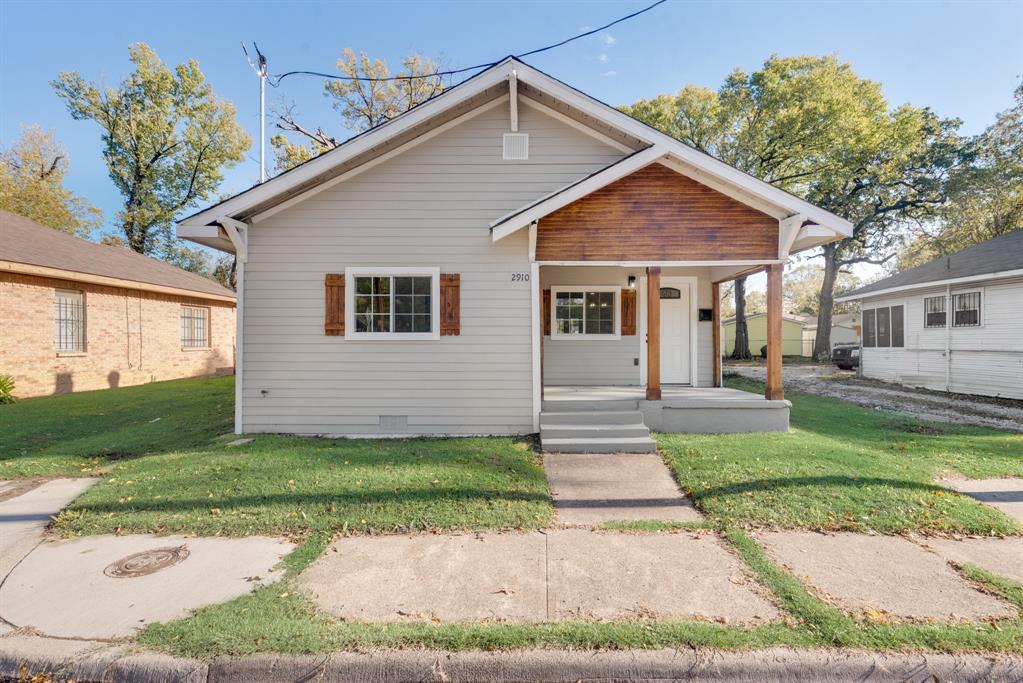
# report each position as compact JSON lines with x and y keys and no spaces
{"x":675,"y":337}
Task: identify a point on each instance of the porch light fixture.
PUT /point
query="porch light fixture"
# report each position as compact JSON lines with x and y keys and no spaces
{"x":632,"y":282}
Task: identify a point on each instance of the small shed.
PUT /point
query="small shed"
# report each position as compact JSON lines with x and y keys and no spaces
{"x":756,"y":325}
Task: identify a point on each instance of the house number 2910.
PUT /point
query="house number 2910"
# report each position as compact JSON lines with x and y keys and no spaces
{"x":520,"y":277}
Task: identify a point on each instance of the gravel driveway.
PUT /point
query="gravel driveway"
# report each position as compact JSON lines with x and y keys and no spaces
{"x":935,"y":406}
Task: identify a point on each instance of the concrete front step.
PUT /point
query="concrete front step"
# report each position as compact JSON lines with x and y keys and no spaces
{"x":591,"y":417}
{"x":575,"y":406}
{"x":577,"y":431}
{"x":638,"y":444}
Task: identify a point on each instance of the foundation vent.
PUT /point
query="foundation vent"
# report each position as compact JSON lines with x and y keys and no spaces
{"x":516,"y":146}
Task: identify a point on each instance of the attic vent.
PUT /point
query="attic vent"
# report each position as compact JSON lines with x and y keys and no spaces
{"x":516,"y":145}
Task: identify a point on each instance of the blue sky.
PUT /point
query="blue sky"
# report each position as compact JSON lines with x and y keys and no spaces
{"x":960,"y":58}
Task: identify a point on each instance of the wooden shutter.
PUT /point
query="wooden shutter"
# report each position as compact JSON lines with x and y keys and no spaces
{"x":450,"y":304}
{"x":628,"y":312}
{"x":334,"y":314}
{"x":545,"y":311}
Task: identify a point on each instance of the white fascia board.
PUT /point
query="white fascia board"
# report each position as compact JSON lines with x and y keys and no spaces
{"x":613,"y":117}
{"x":313,"y":168}
{"x":934,"y":283}
{"x":521,"y":218}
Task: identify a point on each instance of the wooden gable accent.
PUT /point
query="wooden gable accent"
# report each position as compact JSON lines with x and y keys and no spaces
{"x":656,"y":214}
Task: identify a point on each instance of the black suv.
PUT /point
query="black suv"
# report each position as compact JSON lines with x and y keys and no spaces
{"x":846,"y":356}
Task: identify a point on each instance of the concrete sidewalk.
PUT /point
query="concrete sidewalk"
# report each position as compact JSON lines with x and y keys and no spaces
{"x":87,"y":662}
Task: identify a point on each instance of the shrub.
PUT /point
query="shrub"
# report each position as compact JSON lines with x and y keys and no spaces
{"x":7,"y":389}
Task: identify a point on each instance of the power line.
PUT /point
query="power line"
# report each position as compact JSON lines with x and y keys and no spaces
{"x":275,"y":80}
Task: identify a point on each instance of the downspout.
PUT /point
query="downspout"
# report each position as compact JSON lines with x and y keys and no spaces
{"x":948,"y":337}
{"x":238,"y":233}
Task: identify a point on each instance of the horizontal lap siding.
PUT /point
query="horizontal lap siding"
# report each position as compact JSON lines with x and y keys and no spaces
{"x":656,"y":214}
{"x":430,"y":206}
{"x":985,"y":360}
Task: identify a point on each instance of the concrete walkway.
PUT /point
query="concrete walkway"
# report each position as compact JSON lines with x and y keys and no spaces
{"x":23,"y":518}
{"x":111,"y":586}
{"x":564,"y":574}
{"x":590,"y":490}
{"x":1005,"y":494}
{"x":890,"y":575}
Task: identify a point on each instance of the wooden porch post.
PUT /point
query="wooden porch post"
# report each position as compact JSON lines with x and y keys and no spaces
{"x":774,"y":390}
{"x":715,"y":293}
{"x":653,"y":333}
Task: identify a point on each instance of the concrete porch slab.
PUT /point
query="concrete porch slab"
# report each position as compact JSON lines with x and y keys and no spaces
{"x":633,"y":576}
{"x":884,"y":573}
{"x":61,"y":588}
{"x":464,"y":578}
{"x":592,"y":489}
{"x":1001,"y":556}
{"x":1004,"y":494}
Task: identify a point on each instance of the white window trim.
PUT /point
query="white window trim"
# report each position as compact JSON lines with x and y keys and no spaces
{"x":947,"y":306}
{"x":395,"y":271}
{"x":863,"y":327}
{"x":616,"y":289}
{"x":950,"y":315}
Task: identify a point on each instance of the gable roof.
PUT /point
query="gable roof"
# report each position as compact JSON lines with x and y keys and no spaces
{"x":1002,"y":255}
{"x":27,"y":246}
{"x":492,"y":83}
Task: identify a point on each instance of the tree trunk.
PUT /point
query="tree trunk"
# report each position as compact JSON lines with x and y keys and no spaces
{"x":741,"y":350}
{"x":822,"y":344}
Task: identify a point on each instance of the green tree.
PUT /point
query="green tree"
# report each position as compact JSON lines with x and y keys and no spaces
{"x":811,"y":126}
{"x":802,"y":289}
{"x":362,"y":104}
{"x":32,"y":172}
{"x":167,"y":139}
{"x":985,"y":196}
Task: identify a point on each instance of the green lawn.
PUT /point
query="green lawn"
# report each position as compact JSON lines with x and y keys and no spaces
{"x":841,"y":467}
{"x":284,"y":485}
{"x":845,"y":467}
{"x":79,"y":434}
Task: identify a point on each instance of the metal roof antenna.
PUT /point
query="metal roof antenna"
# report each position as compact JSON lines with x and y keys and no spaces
{"x":260,"y":67}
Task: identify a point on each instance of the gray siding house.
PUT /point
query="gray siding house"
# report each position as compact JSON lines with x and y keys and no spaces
{"x":509,"y":248}
{"x":954,"y":324}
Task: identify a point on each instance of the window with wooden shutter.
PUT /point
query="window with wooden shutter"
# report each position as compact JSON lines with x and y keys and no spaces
{"x":334,"y":313}
{"x":628,"y":312}
{"x":450,"y":304}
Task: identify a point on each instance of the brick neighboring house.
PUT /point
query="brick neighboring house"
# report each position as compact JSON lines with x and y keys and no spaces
{"x":76,"y":316}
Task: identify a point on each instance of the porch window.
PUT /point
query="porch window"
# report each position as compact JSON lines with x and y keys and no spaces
{"x":966,"y":309}
{"x":392,"y":303}
{"x":586,"y":312}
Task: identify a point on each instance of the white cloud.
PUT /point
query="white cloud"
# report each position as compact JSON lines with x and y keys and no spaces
{"x":602,"y":57}
{"x":609,"y":73}
{"x":609,"y":39}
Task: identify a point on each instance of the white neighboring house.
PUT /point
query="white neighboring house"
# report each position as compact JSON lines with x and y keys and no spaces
{"x":954,"y":324}
{"x":506,"y":244}
{"x":845,"y":329}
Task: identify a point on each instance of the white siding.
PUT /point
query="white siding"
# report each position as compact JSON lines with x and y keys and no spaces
{"x":985,"y":360}
{"x":430,"y":206}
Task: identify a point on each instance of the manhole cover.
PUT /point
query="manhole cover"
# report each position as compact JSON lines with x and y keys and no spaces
{"x":146,"y":562}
